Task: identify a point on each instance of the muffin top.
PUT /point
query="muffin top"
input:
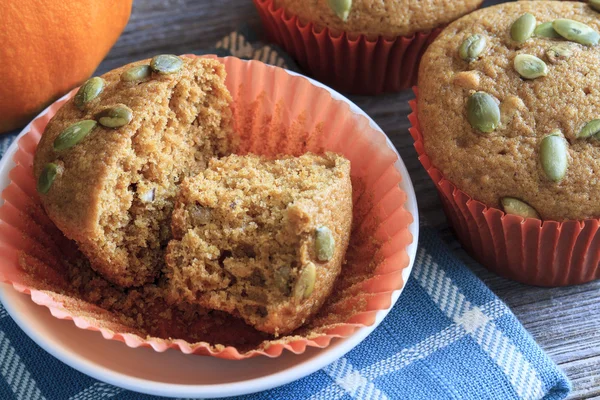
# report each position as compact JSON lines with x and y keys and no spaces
{"x":110,"y":161}
{"x":536,"y":97}
{"x":374,"y":18}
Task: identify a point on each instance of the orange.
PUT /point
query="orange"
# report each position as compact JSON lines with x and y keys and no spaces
{"x":49,"y":47}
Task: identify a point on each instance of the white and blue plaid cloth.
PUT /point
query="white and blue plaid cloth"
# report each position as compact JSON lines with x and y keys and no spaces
{"x":448,"y":337}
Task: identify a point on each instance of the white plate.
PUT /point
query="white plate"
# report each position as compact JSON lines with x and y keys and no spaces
{"x":173,"y":373}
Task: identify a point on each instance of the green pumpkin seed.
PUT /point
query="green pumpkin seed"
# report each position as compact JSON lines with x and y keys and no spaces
{"x":483,"y":112}
{"x":559,"y":52}
{"x":554,"y":156}
{"x":523,"y":28}
{"x":530,"y":67}
{"x":324,"y":243}
{"x":576,"y":32}
{"x":546,"y":30}
{"x":115,"y":117}
{"x":136,"y":74}
{"x":74,"y":134}
{"x":472,"y":47}
{"x":306,"y":282}
{"x":518,"y":207}
{"x":592,"y":128}
{"x":341,"y":8}
{"x":595,"y":5}
{"x":88,"y":92}
{"x":166,"y":64}
{"x":47,"y":178}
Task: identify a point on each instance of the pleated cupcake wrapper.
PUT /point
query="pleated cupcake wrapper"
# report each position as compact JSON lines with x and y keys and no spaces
{"x":358,"y":65}
{"x":531,"y":251}
{"x":275,"y":113}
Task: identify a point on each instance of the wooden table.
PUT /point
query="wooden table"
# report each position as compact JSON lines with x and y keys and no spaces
{"x":564,"y":321}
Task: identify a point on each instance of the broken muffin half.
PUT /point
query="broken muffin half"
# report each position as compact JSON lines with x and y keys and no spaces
{"x":262,"y":239}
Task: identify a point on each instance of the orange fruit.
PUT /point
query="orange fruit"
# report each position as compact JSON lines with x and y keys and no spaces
{"x":49,"y":47}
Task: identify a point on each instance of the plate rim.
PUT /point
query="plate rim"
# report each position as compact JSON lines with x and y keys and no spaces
{"x":337,"y":349}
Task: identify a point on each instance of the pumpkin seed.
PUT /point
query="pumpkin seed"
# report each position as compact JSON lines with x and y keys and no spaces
{"x":341,"y":8}
{"x":74,"y":134}
{"x":576,"y":31}
{"x":518,"y":207}
{"x":136,"y":74}
{"x":472,"y":47}
{"x":200,"y":215}
{"x":115,"y":117}
{"x":324,"y":243}
{"x":483,"y":112}
{"x":554,"y":156}
{"x":559,"y":52}
{"x":88,"y":91}
{"x":148,"y":196}
{"x":595,"y":5}
{"x":47,"y":178}
{"x":592,"y":128}
{"x":523,"y":28}
{"x":282,"y":279}
{"x":306,"y":282}
{"x":546,"y":30}
{"x":530,"y":67}
{"x":166,"y":64}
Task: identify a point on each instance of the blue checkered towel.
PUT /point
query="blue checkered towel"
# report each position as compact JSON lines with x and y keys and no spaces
{"x":448,"y":337}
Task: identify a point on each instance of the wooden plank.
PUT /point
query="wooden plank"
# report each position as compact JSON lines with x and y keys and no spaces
{"x":177,"y":26}
{"x":564,"y":321}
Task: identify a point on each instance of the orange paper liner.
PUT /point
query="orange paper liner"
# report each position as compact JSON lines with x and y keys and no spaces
{"x":531,"y":251}
{"x":276,"y":113}
{"x":357,"y":65}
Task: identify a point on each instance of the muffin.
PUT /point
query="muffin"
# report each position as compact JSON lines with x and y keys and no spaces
{"x":262,"y":239}
{"x":110,"y":161}
{"x":508,"y":117}
{"x":39,"y":261}
{"x":360,"y":46}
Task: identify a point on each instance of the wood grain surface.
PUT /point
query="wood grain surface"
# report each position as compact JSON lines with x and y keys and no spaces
{"x":564,"y":321}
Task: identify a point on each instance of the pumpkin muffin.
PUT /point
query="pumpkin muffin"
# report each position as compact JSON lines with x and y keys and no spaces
{"x":261,"y":239}
{"x":509,"y":108}
{"x":373,"y":18}
{"x":110,"y":161}
{"x":359,"y":46}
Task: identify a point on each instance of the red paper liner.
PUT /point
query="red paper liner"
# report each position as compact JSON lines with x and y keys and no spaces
{"x":275,"y":113}
{"x":352,"y":65}
{"x":531,"y":251}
